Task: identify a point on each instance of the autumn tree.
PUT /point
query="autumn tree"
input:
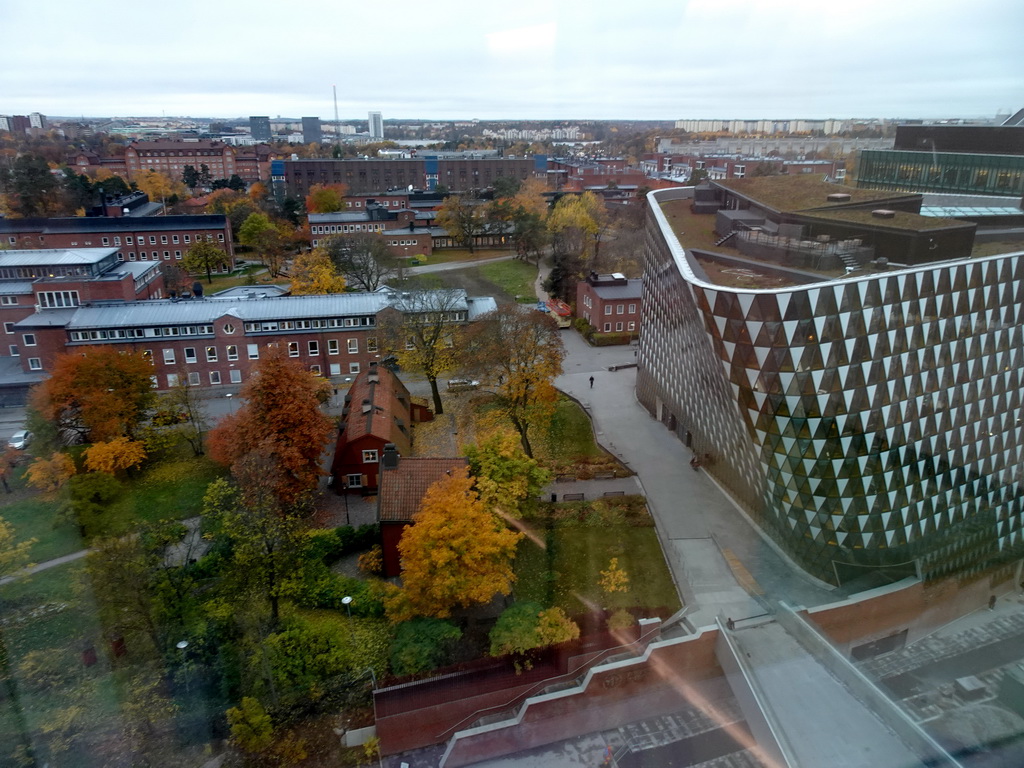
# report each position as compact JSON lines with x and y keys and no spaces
{"x":505,"y":476}
{"x":364,"y":259}
{"x":523,"y":627}
{"x":326,"y":198}
{"x":520,"y":352}
{"x":464,"y":220}
{"x":14,"y":555}
{"x":267,"y":238}
{"x":159,"y":186}
{"x":204,"y":256}
{"x":114,"y":455}
{"x":313,"y":273}
{"x":576,"y":224}
{"x":96,"y":394}
{"x":50,"y":475}
{"x":418,"y":330}
{"x":455,"y":554}
{"x":281,"y":417}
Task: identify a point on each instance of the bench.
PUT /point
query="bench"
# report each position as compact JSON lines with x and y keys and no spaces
{"x":572,"y":497}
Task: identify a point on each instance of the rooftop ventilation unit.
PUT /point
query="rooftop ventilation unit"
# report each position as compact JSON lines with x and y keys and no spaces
{"x":839,"y":197}
{"x":883,"y":213}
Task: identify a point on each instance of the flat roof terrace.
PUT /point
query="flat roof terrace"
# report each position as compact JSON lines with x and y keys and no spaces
{"x":696,"y":233}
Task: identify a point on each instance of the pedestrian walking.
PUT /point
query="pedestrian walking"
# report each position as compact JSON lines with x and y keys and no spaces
{"x":591,"y":382}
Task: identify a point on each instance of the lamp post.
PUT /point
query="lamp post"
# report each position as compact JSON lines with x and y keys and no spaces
{"x":347,"y":602}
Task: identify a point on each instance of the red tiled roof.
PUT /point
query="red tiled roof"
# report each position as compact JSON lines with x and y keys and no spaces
{"x":389,"y":404}
{"x":402,"y":488}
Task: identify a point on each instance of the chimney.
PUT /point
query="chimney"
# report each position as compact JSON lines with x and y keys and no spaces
{"x":389,"y":458}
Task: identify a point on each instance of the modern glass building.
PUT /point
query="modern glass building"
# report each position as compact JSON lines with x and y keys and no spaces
{"x":923,"y":171}
{"x":868,"y":422}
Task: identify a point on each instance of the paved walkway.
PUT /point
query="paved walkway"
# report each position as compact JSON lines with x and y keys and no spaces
{"x":48,"y":564}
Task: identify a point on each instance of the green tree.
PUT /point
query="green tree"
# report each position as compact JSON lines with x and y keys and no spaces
{"x":266,"y":540}
{"x":422,"y":644}
{"x":505,"y":476}
{"x":523,"y":627}
{"x":183,"y":410}
{"x":419,"y":330}
{"x":204,"y":256}
{"x":260,"y":233}
{"x":190,"y":177}
{"x":251,"y":727}
{"x":30,"y":186}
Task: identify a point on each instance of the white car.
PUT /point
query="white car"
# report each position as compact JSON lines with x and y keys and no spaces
{"x":20,"y":440}
{"x":462,"y":385}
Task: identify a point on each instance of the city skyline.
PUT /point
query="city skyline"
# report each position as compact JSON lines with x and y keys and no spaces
{"x":569,"y":61}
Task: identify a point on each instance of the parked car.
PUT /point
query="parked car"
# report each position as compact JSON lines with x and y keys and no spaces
{"x":462,"y":385}
{"x":20,"y":440}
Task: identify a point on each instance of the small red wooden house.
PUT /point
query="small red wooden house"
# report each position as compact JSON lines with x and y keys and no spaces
{"x":403,"y":482}
{"x":378,"y":411}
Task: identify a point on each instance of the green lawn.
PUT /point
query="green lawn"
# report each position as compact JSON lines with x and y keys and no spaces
{"x":569,"y":434}
{"x":514,"y":277}
{"x":448,"y":255}
{"x":561,"y":564}
{"x":170,"y":490}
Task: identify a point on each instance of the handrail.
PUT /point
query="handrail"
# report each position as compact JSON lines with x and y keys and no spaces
{"x":598,"y":656}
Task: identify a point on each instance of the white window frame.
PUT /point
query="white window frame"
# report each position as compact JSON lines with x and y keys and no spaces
{"x":194,"y":379}
{"x":169,"y":357}
{"x":293,"y":349}
{"x":370,"y":456}
{"x":35,"y":364}
{"x":215,"y":377}
{"x":353,"y":346}
{"x":235,"y":376}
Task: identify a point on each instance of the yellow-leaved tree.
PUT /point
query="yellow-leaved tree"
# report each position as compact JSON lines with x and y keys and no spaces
{"x":13,"y":554}
{"x":520,"y":352}
{"x":314,"y":274}
{"x":49,"y":475}
{"x":455,"y":554}
{"x":114,"y":455}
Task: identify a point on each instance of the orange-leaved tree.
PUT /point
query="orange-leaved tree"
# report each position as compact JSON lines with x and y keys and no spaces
{"x":455,"y":554}
{"x":50,"y":475}
{"x":281,"y":417}
{"x":326,"y":198}
{"x":114,"y":455}
{"x":96,"y":394}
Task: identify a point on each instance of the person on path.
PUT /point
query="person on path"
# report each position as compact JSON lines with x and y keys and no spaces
{"x":591,"y":382}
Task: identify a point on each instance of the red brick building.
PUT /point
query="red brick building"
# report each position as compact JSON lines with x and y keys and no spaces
{"x":378,"y":412}
{"x":135,"y":238}
{"x":251,"y":164}
{"x":610,"y":303}
{"x":41,"y":289}
{"x":402,"y":485}
{"x":406,"y":232}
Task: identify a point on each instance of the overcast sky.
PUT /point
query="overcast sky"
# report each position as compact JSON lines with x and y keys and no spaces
{"x":546,"y":59}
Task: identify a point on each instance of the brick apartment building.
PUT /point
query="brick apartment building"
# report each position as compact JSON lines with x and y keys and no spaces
{"x":251,"y":164}
{"x":610,"y":303}
{"x":722,"y":166}
{"x":134,"y":238}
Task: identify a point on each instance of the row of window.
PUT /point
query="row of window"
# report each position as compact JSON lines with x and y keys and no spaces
{"x":631,"y":327}
{"x":227,"y":328}
{"x":332,"y":229}
{"x":195,"y":378}
{"x":252,"y":350}
{"x":141,"y":239}
{"x":620,"y":309}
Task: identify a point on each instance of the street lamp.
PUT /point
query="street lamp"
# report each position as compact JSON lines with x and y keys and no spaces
{"x":347,"y":602}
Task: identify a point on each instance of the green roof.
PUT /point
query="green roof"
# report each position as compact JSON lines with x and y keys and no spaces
{"x":899,"y":220}
{"x":791,"y":193}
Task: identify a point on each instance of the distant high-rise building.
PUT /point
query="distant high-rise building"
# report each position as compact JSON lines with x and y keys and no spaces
{"x":260,"y":128}
{"x":376,"y":126}
{"x":14,"y":123}
{"x":311,"y":131}
{"x":36,"y":120}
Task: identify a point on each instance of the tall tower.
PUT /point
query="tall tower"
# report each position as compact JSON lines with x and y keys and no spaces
{"x":376,"y":126}
{"x":260,"y":128}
